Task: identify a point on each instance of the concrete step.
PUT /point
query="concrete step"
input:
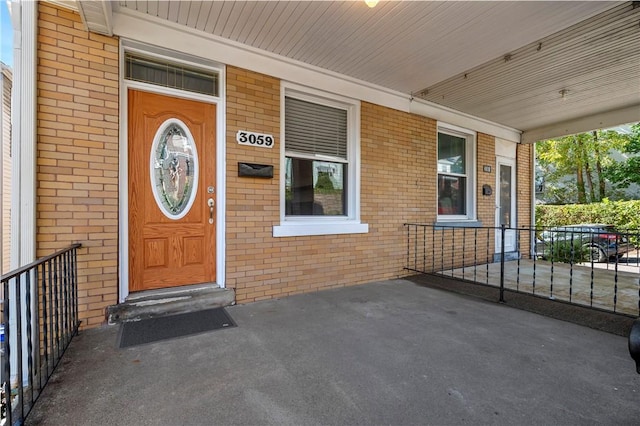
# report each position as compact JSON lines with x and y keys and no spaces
{"x":177,"y":300}
{"x":510,"y":255}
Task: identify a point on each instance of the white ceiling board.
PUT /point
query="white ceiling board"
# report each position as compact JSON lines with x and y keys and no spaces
{"x":401,"y":45}
{"x":412,"y":45}
{"x":204,"y":15}
{"x":597,"y":62}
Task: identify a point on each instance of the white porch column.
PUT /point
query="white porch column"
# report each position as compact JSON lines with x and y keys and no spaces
{"x":23,"y":141}
{"x":23,"y":214}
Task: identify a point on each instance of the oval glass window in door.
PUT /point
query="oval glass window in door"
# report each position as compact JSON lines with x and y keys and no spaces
{"x":174,"y":168}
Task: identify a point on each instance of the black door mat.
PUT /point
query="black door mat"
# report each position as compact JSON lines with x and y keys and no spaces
{"x":168,"y":327}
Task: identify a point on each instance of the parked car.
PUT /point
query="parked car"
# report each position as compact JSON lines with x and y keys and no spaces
{"x":591,"y":243}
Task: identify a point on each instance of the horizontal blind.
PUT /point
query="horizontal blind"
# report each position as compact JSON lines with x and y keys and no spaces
{"x":315,"y":129}
{"x":166,"y":74}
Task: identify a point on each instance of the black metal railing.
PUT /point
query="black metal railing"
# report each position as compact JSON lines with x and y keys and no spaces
{"x":39,"y":319}
{"x":588,"y":266}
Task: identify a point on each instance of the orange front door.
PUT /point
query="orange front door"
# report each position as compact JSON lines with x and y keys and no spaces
{"x":172,"y":228}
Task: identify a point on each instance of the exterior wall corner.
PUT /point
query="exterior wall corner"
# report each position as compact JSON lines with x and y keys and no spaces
{"x":77,"y":153}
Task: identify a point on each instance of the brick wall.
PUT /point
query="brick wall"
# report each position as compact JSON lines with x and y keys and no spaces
{"x":398,"y":156}
{"x":254,"y":260}
{"x":486,"y":156}
{"x":77,"y":144}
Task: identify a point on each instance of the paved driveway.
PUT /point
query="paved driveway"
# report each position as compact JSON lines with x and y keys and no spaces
{"x":390,"y":353}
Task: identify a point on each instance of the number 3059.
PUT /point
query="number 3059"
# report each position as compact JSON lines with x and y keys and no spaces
{"x":254,"y":139}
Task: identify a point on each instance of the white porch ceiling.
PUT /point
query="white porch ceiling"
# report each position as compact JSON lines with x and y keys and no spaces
{"x":504,"y":61}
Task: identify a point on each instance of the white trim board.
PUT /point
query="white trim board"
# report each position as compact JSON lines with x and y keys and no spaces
{"x":152,"y":30}
{"x":505,"y":148}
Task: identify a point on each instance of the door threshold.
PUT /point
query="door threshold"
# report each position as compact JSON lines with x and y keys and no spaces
{"x":511,"y":255}
{"x":170,"y":301}
{"x":170,"y":292}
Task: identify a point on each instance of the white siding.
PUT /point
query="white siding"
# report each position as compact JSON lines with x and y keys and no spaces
{"x":6,"y":86}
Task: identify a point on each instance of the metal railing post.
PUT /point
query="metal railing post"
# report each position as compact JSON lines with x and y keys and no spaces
{"x":502,"y":234}
{"x":6,"y":360}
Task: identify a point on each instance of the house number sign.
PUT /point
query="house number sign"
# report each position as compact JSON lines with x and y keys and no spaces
{"x":245,"y":137}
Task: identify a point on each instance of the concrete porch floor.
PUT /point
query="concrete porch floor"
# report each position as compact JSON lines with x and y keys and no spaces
{"x":390,"y":352}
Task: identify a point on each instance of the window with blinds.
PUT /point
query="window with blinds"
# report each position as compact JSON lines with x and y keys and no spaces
{"x":316,"y":160}
{"x":320,"y":163}
{"x":174,"y":75}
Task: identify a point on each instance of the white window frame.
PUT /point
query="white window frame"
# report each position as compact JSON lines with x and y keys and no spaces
{"x":470,"y":173}
{"x":291,"y":226}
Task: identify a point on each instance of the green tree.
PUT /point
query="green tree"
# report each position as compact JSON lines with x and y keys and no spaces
{"x":586,"y":157}
{"x":581,"y":161}
{"x":625,"y":173}
{"x":559,"y":158}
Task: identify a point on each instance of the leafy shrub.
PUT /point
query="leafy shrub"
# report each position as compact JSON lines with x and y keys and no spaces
{"x":624,"y":215}
{"x":567,"y":251}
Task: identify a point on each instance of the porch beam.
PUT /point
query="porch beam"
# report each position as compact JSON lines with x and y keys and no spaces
{"x":603,"y":120}
{"x":458,"y":118}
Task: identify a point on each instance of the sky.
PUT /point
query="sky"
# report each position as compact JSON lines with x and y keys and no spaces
{"x":6,"y":35}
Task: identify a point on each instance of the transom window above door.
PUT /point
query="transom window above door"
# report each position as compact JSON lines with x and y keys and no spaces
{"x":159,"y":72}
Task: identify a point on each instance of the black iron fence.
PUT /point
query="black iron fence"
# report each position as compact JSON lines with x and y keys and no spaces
{"x":39,"y":319}
{"x":587,"y":265}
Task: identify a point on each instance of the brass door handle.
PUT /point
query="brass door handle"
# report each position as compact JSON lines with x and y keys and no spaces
{"x":211,"y":203}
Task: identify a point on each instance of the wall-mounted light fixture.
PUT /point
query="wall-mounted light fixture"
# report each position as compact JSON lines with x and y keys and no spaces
{"x":371,"y":3}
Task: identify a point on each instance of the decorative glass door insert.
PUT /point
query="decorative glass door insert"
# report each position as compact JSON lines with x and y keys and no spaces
{"x":174,"y":169}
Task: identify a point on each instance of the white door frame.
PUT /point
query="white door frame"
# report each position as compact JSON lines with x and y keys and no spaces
{"x":510,"y":236}
{"x":221,"y":154}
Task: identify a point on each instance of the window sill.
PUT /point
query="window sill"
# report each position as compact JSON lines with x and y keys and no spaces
{"x":458,"y":223}
{"x":304,"y":229}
